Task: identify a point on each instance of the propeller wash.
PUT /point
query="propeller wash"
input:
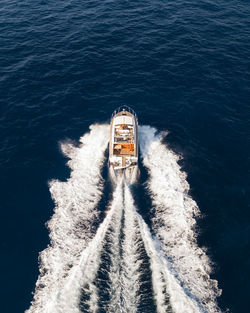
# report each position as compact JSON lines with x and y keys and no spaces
{"x":116,"y":263}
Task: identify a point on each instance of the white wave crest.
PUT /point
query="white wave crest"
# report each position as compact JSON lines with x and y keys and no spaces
{"x":71,"y":226}
{"x":174,"y":221}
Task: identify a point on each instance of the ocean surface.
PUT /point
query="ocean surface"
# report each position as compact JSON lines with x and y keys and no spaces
{"x":180,"y":237}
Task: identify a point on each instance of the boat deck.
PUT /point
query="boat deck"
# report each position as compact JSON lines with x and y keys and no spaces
{"x":124,"y":149}
{"x":123,"y":139}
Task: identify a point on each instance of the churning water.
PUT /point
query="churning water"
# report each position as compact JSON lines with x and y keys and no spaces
{"x":69,"y":267}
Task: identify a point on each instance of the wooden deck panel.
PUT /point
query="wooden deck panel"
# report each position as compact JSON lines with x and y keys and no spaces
{"x":123,"y":161}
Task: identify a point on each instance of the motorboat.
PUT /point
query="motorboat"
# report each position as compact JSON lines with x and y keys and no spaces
{"x":123,"y":144}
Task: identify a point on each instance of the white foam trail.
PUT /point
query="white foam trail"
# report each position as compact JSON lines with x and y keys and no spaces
{"x":71,"y":226}
{"x":125,"y":261}
{"x":174,"y":222}
{"x":165,"y":285}
{"x":169,"y":294}
{"x":115,"y":287}
{"x":131,"y":256}
{"x":85,"y":272}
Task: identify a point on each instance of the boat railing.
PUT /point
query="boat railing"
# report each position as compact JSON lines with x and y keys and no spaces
{"x":124,"y":108}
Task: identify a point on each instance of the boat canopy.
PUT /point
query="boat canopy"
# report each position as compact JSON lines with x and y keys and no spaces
{"x":123,"y":119}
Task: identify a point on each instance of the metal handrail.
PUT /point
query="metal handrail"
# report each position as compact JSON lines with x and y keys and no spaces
{"x":124,"y":108}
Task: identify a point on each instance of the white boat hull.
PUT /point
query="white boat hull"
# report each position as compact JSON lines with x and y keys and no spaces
{"x":123,"y":145}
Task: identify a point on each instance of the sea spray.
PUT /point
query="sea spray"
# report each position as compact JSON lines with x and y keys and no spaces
{"x":72,"y":225}
{"x":125,"y":261}
{"x":168,"y":292}
{"x":69,"y":266}
{"x":174,"y":219}
{"x":131,"y":248}
{"x":83,"y":275}
{"x":114,"y":255}
{"x":170,"y":296}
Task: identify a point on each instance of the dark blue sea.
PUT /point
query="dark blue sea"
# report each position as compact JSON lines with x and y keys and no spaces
{"x":182,"y":65}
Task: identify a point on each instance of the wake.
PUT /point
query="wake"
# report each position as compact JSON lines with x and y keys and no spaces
{"x":124,"y":253}
{"x":79,"y":251}
{"x":73,"y":221}
{"x":174,"y":221}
